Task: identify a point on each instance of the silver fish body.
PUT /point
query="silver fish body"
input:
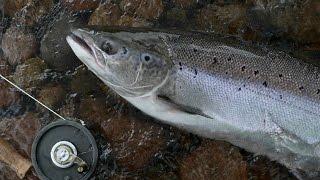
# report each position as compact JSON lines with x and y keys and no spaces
{"x":256,"y":98}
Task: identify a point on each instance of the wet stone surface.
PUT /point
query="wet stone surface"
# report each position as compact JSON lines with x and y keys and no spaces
{"x":131,"y":144}
{"x":54,"y":48}
{"x":110,"y":14}
{"x":18,"y":44}
{"x":21,"y":131}
{"x":32,"y":13}
{"x":214,"y":160}
{"x":30,"y":74}
{"x":11,"y":7}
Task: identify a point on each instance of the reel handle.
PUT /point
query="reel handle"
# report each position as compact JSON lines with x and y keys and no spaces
{"x":13,"y":159}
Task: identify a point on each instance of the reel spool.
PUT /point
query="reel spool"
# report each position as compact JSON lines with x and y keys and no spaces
{"x":64,"y":150}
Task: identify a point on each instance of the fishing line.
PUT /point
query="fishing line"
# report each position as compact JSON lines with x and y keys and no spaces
{"x":32,"y":97}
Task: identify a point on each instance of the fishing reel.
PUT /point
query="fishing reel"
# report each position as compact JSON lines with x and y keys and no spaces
{"x":64,"y":150}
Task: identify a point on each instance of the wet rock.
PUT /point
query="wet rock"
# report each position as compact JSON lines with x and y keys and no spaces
{"x":84,"y":82}
{"x":11,"y":7}
{"x":33,"y":12}
{"x":80,"y":5}
{"x":129,"y":21}
{"x":52,"y":95}
{"x":94,"y":111}
{"x":176,"y":17}
{"x":5,"y":68}
{"x":107,"y":14}
{"x":21,"y":131}
{"x":295,"y":20}
{"x":309,"y":23}
{"x":184,"y":4}
{"x":18,"y":45}
{"x":214,"y":160}
{"x":260,"y":168}
{"x":8,"y":95}
{"x":134,"y":141}
{"x":69,"y":108}
{"x":30,"y":74}
{"x":6,"y":173}
{"x":147,"y":9}
{"x":227,"y":19}
{"x":54,"y":48}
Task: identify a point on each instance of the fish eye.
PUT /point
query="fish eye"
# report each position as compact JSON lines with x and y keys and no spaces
{"x":146,"y":57}
{"x":108,"y":48}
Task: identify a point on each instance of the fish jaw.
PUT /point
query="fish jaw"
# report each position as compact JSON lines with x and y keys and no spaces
{"x":83,"y":47}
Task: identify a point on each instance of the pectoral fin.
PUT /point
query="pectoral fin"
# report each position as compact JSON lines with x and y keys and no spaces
{"x":183,"y":108}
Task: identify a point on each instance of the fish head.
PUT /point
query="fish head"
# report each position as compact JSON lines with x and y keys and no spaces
{"x":131,"y":67}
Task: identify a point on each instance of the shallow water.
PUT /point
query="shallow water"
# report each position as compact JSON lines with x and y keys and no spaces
{"x":37,"y":58}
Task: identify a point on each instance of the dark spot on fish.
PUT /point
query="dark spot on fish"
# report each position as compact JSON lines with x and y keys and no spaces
{"x":243,"y":68}
{"x":265,"y":84}
{"x":244,"y":85}
{"x":180,"y":64}
{"x":280,"y":96}
{"x":256,"y":72}
{"x":195,"y":50}
{"x":124,"y":50}
{"x":280,"y":75}
{"x":147,"y":58}
{"x":318,"y":91}
{"x":239,"y":89}
{"x":214,"y":59}
{"x":226,"y":72}
{"x":249,"y":77}
{"x":301,"y":88}
{"x":195,"y":71}
{"x":229,"y":58}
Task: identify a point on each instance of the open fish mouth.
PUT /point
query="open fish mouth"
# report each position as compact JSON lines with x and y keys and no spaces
{"x":80,"y":41}
{"x":83,"y":40}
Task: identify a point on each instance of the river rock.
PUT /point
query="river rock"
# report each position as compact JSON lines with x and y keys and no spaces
{"x":11,"y":7}
{"x":8,"y":95}
{"x":30,"y":74}
{"x":55,"y":50}
{"x":134,"y":141}
{"x":129,"y":21}
{"x":184,"y":4}
{"x":21,"y":131}
{"x":6,"y":173}
{"x":80,"y":5}
{"x":84,"y":82}
{"x":176,"y":17}
{"x":107,"y":14}
{"x":52,"y":95}
{"x":5,"y":68}
{"x":32,"y":12}
{"x":214,"y":160}
{"x":18,"y":45}
{"x":147,"y":9}
{"x":260,"y":168}
{"x":225,"y":19}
